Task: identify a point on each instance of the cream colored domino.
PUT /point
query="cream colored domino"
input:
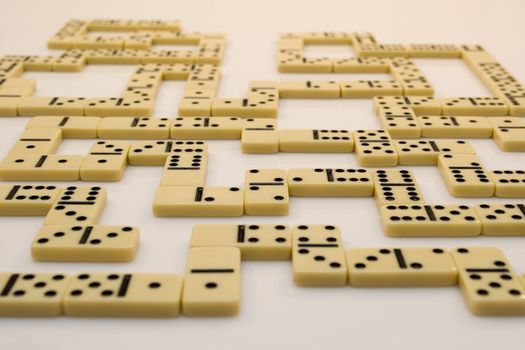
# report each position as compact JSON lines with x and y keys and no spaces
{"x":320,"y":182}
{"x":195,"y":106}
{"x":256,"y":241}
{"x":95,"y":42}
{"x":9,"y":102}
{"x":305,"y":65}
{"x":426,"y":152}
{"x":316,"y":141}
{"x":51,"y":106}
{"x":259,"y":136}
{"x":120,"y":106}
{"x":106,"y":161}
{"x":420,"y":105}
{"x":134,"y":128}
{"x":212,"y":285}
{"x":27,"y":200}
{"x":502,"y":219}
{"x":206,"y":128}
{"x":32,"y":294}
{"x":509,"y":183}
{"x":400,"y":122}
{"x":410,"y":77}
{"x":266,"y":192}
{"x":263,"y":107}
{"x":318,"y":257}
{"x":396,"y":186}
{"x":46,"y":167}
{"x":488,"y":283}
{"x":109,"y":56}
{"x":374,"y":148}
{"x":361,"y":65}
{"x":370,"y":88}
{"x":401,"y":267}
{"x":72,"y":127}
{"x":309,"y":89}
{"x":190,"y":201}
{"x":455,"y":127}
{"x":184,"y":169}
{"x":430,"y":220}
{"x":509,"y":133}
{"x":156,"y":152}
{"x":37,"y":141}
{"x":473,"y":106}
{"x":77,"y":205}
{"x":123,"y":295}
{"x":464,"y":175}
{"x":85,"y":243}
{"x":433,"y":51}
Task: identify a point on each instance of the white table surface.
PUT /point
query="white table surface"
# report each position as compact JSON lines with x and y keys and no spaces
{"x":274,"y":313}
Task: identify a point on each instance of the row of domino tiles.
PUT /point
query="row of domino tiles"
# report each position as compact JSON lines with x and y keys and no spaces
{"x":212,"y":283}
{"x":266,"y":192}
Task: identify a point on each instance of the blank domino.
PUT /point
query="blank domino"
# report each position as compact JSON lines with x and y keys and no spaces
{"x":37,"y":141}
{"x":426,"y":152}
{"x":338,"y":182}
{"x":509,"y":133}
{"x":51,"y":106}
{"x":184,"y":169}
{"x":256,"y":241}
{"x":266,"y":192}
{"x":309,"y":89}
{"x":134,"y":128}
{"x":77,"y":205}
{"x":27,"y":200}
{"x":396,"y":186}
{"x":32,"y":294}
{"x":123,"y":295}
{"x":488,"y":283}
{"x":189,"y":201}
{"x":430,"y":220}
{"x":212,"y":285}
{"x":396,"y":267}
{"x":155,"y":153}
{"x":316,"y":141}
{"x":483,"y":106}
{"x":106,"y":161}
{"x":206,"y":128}
{"x":370,"y":88}
{"x":85,"y":243}
{"x":374,"y":148}
{"x":72,"y":127}
{"x":318,"y":258}
{"x":455,"y":127}
{"x":501,"y":219}
{"x":509,"y":183}
{"x":259,"y":136}
{"x":45,"y":167}
{"x":464,"y":175}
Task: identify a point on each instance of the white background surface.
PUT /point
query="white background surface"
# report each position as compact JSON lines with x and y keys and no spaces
{"x":274,"y":313}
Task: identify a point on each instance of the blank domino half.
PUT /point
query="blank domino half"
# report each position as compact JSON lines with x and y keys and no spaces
{"x":464,"y":175}
{"x":488,"y":283}
{"x":396,"y":267}
{"x":430,"y":220}
{"x":256,"y":241}
{"x":194,"y":201}
{"x":32,"y":294}
{"x":318,"y":258}
{"x":72,"y":127}
{"x":85,"y":243}
{"x":320,"y":182}
{"x":212,"y":285}
{"x":123,"y":295}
